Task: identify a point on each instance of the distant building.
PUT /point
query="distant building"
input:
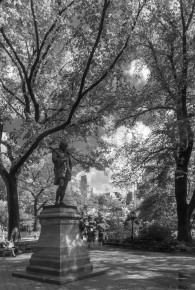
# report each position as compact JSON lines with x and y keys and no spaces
{"x":91,"y":191}
{"x":129,"y":198}
{"x":84,"y":186}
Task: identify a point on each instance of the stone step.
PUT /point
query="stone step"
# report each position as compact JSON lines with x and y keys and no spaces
{"x":59,"y":272}
{"x":57,"y":263}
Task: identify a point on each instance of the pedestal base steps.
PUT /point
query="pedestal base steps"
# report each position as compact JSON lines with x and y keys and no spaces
{"x":60,"y":255}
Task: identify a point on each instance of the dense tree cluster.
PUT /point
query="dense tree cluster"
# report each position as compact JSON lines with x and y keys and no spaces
{"x":54,"y":56}
{"x":81,"y":70}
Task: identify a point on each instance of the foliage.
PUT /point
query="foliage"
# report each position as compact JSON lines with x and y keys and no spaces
{"x":101,"y":223}
{"x":108,"y":212}
{"x":124,"y":143}
{"x":3,"y":214}
{"x":53,"y":59}
{"x":43,"y":67}
{"x":164,"y":99}
{"x":154,"y":232}
{"x":36,"y":188}
{"x":26,"y":221}
{"x":157,"y":200}
{"x":2,"y":190}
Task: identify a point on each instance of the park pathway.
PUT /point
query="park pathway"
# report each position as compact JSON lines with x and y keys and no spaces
{"x":129,"y":270}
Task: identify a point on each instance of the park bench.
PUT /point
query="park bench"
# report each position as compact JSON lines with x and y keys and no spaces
{"x":5,"y":252}
{"x":26,"y":246}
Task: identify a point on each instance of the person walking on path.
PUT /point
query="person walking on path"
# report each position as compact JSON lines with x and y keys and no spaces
{"x":100,"y":238}
{"x":91,"y":231}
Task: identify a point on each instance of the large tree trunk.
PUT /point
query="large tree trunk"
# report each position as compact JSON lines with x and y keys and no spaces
{"x":35,"y":228}
{"x":35,"y":216}
{"x":183,"y":212}
{"x":13,"y":206}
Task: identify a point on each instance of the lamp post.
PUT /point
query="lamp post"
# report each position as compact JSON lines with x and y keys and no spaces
{"x":132,"y":217}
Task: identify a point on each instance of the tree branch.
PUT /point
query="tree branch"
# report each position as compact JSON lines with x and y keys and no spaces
{"x":171,"y":58}
{"x":52,"y":27}
{"x":9,"y":103}
{"x":21,"y":77}
{"x":190,"y":17}
{"x":118,"y":55}
{"x":9,"y":150}
{"x":182,"y":15}
{"x":28,"y":189}
{"x":146,"y":159}
{"x":35,"y":24}
{"x":40,"y":191}
{"x":34,"y":68}
{"x":35,"y":175}
{"x":13,"y":60}
{"x":108,"y":70}
{"x":28,"y":81}
{"x":80,"y":95}
{"x":10,"y":92}
{"x":52,"y":116}
{"x":37,"y":61}
{"x":135,"y":116}
{"x":62,"y":126}
{"x":42,"y":205}
{"x":183,"y":82}
{"x":26,"y":97}
{"x":21,"y":68}
{"x":14,"y":51}
{"x":83,"y":162}
{"x":163,"y":81}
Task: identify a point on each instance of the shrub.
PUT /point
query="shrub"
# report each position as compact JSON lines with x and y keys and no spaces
{"x":154,"y":232}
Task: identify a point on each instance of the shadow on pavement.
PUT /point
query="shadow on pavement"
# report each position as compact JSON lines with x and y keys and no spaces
{"x":128,"y":270}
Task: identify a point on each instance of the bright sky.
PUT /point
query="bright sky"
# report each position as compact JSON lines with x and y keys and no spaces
{"x":137,"y":73}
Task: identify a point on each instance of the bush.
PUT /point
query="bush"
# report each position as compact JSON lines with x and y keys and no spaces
{"x":154,"y":232}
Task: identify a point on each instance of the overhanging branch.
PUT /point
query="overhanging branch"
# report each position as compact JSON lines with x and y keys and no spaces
{"x":81,"y":94}
{"x":14,"y":51}
{"x":35,"y":24}
{"x":11,"y":106}
{"x":137,"y":115}
{"x":86,"y":70}
{"x":9,"y":150}
{"x":11,"y":92}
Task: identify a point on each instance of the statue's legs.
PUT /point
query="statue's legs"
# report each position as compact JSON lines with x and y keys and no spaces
{"x":60,"y":193}
{"x":65,"y":183}
{"x":57,"y":195}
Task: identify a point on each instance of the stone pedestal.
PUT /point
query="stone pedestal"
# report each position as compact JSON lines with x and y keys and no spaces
{"x":60,"y":255}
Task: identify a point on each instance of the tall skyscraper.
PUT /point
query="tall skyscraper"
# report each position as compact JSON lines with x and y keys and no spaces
{"x":129,"y":198}
{"x":84,"y":186}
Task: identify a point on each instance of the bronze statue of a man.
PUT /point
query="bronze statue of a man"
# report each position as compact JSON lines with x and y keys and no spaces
{"x":62,"y":170}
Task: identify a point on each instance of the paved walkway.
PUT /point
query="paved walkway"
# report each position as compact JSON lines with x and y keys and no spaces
{"x":129,"y":270}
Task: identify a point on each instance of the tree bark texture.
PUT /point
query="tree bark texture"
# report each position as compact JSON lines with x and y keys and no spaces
{"x":35,"y":216}
{"x":13,"y":205}
{"x":183,"y":209}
